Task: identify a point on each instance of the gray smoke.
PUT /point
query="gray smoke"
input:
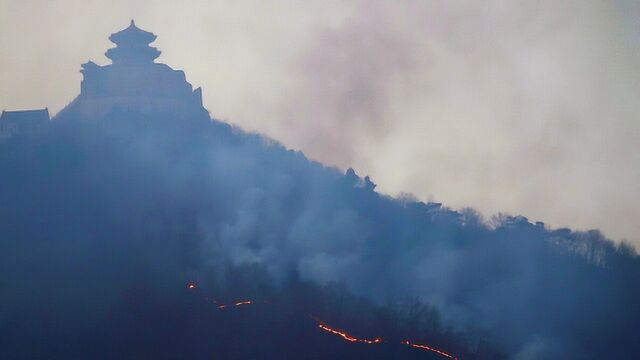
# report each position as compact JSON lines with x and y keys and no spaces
{"x":495,"y":98}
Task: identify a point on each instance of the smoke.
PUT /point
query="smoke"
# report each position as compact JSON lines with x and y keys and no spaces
{"x":498,"y":97}
{"x":471,"y":104}
{"x":104,"y":223}
{"x":516,"y":107}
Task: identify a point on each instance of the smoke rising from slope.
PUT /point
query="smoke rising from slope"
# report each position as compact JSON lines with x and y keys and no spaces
{"x":98,"y":216}
{"x":528,"y":107}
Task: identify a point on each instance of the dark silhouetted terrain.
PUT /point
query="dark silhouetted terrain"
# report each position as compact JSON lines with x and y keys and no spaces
{"x":103,"y":223}
{"x":107,"y":213}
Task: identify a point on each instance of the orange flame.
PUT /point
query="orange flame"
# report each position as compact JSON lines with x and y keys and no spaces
{"x":348,"y":337}
{"x":342,"y":334}
{"x":429,"y":348}
{"x":237,"y":303}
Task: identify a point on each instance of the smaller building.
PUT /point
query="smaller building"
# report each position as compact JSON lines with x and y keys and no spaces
{"x":21,"y":122}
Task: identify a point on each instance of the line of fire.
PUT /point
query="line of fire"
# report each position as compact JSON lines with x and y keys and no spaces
{"x":341,"y":333}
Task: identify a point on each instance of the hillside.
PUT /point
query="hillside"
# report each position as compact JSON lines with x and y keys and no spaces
{"x":108,"y":219}
{"x":128,"y":219}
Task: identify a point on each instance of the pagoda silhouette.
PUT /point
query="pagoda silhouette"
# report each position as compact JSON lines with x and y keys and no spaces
{"x":134,"y":82}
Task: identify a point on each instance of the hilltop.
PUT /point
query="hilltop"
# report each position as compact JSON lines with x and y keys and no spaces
{"x":133,"y":191}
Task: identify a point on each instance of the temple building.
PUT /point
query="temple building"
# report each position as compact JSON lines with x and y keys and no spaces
{"x":23,"y":122}
{"x":134,"y":82}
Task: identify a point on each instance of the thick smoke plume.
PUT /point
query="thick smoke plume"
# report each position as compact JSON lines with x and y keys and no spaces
{"x":103,"y":223}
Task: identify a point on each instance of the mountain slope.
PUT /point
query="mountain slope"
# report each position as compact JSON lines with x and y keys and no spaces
{"x":103,"y":223}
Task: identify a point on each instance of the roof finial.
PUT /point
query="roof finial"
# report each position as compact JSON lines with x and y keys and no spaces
{"x":133,"y":23}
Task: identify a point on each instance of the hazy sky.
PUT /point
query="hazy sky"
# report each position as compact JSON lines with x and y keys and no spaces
{"x":526,"y":107}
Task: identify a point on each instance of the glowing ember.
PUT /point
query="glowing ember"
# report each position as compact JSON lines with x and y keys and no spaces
{"x":345,"y":336}
{"x":429,"y":348}
{"x":237,"y":303}
{"x":348,"y":337}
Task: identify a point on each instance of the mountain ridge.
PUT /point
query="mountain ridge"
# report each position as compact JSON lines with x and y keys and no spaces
{"x":107,"y":214}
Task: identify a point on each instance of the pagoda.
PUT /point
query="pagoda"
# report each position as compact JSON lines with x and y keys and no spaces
{"x":134,"y":82}
{"x":132,"y":46}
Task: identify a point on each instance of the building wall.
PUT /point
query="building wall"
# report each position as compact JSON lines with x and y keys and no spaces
{"x":21,"y":122}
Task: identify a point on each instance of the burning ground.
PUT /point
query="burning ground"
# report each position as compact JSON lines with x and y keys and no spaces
{"x":322,"y":325}
{"x":103,"y":223}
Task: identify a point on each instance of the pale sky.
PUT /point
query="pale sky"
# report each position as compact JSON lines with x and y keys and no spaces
{"x":525,"y":107}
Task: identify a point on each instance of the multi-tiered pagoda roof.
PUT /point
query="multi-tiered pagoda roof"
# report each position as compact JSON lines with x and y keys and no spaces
{"x":132,"y":46}
{"x":134,"y":82}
